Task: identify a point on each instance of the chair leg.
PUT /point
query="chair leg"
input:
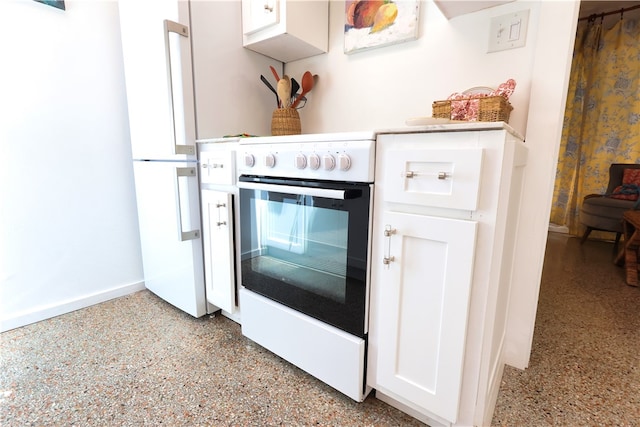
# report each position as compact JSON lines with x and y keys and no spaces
{"x":615,"y":245}
{"x":585,"y":235}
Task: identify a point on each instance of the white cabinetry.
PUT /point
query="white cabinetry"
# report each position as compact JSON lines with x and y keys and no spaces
{"x":217,"y":226}
{"x":286,"y":30}
{"x":445,"y":213}
{"x":218,"y":194}
{"x":259,"y":14}
{"x":425,"y":289}
{"x":452,"y":8}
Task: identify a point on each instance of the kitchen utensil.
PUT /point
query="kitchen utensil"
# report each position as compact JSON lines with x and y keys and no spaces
{"x":284,"y":91}
{"x":295,"y":86}
{"x":275,"y":73}
{"x":307,"y":85}
{"x":266,"y":82}
{"x":303,"y":99}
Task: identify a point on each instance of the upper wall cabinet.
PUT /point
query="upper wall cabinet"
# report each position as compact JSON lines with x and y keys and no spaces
{"x":453,"y":8}
{"x":286,"y":30}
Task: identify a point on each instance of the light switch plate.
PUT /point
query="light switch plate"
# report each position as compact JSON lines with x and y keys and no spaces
{"x":508,"y":31}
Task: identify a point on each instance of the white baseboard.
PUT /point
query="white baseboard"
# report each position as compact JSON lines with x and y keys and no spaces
{"x":235,"y":316}
{"x":46,"y":312}
{"x":408,"y":409}
{"x":492,"y":393}
{"x":555,"y":228}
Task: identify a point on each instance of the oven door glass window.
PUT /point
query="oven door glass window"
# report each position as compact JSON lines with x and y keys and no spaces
{"x":306,"y":247}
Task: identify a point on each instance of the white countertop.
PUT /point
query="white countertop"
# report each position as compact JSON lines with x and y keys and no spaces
{"x":437,"y":125}
{"x":218,"y":140}
{"x":451,"y":126}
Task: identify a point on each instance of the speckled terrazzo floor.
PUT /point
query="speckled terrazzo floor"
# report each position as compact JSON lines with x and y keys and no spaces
{"x":138,"y":361}
{"x":585,"y":363}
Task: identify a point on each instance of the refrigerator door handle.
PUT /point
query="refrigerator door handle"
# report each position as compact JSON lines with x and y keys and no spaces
{"x":182,"y":30}
{"x":184,"y":235}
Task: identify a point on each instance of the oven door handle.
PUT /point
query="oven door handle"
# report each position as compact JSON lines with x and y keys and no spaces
{"x":303,"y":191}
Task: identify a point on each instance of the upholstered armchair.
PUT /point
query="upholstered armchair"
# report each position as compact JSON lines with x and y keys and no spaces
{"x":604,"y":211}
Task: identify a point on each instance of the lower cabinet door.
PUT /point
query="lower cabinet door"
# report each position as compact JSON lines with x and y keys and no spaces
{"x":421,"y":286}
{"x":217,"y":237}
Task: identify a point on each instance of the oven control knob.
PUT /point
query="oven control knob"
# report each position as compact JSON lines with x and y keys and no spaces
{"x":344,"y":162}
{"x":249,"y":160}
{"x":301,"y":161}
{"x":329,"y":162}
{"x":314,"y":161}
{"x":269,"y":160}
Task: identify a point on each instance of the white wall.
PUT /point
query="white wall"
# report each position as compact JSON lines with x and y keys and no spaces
{"x":69,"y":233}
{"x":229,"y":99}
{"x":383,"y":87}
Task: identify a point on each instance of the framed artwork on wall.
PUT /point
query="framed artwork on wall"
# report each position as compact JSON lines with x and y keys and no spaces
{"x":375,"y":23}
{"x":55,"y":3}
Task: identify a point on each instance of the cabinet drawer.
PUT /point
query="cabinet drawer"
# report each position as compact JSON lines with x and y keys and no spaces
{"x":439,"y":178}
{"x":217,"y":167}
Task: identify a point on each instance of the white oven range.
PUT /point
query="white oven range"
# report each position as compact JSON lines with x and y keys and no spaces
{"x":305,"y":239}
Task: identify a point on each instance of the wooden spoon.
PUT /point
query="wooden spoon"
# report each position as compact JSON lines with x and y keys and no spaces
{"x":284,"y":91}
{"x":275,"y":73}
{"x":307,"y":85}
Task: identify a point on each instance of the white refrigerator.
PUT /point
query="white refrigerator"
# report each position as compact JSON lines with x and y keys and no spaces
{"x":164,"y":75}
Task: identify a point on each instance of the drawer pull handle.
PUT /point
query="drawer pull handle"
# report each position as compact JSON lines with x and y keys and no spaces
{"x":213,"y":165}
{"x":387,"y":260}
{"x":219,"y":223}
{"x":439,"y":175}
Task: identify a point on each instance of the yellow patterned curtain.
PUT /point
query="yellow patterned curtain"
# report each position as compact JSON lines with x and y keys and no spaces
{"x":602,"y":118}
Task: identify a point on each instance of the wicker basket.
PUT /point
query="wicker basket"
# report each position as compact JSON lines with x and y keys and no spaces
{"x":490,"y":109}
{"x":285,"y":121}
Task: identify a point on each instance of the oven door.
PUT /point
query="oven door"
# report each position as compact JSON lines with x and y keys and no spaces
{"x":305,"y":244}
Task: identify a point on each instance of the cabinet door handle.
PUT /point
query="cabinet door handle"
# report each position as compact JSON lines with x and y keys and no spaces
{"x":220,"y":222}
{"x":388,"y":258}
